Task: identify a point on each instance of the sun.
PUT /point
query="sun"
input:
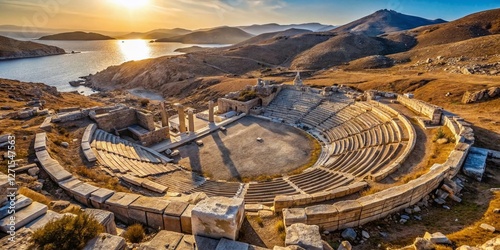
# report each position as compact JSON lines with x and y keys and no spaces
{"x":131,"y":3}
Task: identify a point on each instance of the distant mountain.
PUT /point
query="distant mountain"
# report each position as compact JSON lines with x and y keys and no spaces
{"x":273,"y":35}
{"x":13,"y":49}
{"x":221,"y":35}
{"x":77,"y":35}
{"x":258,"y":29}
{"x":385,"y":21}
{"x":156,"y":34}
{"x":476,"y":35}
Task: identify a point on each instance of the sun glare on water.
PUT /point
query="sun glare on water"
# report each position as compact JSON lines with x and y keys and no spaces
{"x":134,"y":49}
{"x":131,"y":3}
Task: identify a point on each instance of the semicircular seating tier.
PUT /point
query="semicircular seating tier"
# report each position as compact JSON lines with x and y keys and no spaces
{"x":120,"y":156}
{"x":362,"y":140}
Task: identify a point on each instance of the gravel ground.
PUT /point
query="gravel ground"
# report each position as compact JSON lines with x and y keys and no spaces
{"x":236,"y":153}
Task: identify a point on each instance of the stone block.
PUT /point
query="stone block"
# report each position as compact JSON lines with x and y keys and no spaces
{"x":24,"y":216}
{"x":349,"y":212}
{"x":153,"y":186}
{"x":106,"y":242}
{"x":225,"y":244}
{"x":218,"y":217}
{"x":21,"y":201}
{"x":82,"y":192}
{"x":163,"y":240}
{"x":41,"y":141}
{"x":186,"y":226}
{"x":98,"y":197}
{"x":118,"y":204}
{"x":105,"y":218}
{"x":324,"y":215}
{"x":172,"y":216}
{"x":47,"y":124}
{"x":132,"y":180}
{"x":44,"y":219}
{"x":294,"y":215}
{"x":145,"y":207}
{"x":305,"y":236}
{"x":205,"y":242}
{"x":437,"y":238}
{"x":187,"y":243}
{"x":69,"y":184}
{"x":89,"y":155}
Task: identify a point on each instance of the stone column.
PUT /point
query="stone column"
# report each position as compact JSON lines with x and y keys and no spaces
{"x":164,"y":115}
{"x":164,"y":119}
{"x":211,"y":111}
{"x":191,"y":120}
{"x":182,"y":117}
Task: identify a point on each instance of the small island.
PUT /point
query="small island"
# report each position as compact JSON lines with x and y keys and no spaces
{"x":77,"y":36}
{"x":15,"y":49}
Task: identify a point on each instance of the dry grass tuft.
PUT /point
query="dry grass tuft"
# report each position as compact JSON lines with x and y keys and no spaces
{"x":35,"y":196}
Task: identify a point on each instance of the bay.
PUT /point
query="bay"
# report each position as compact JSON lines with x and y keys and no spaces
{"x":90,"y":57}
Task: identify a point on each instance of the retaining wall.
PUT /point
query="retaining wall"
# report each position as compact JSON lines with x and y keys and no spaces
{"x":430,"y":111}
{"x":157,"y":213}
{"x":352,"y":213}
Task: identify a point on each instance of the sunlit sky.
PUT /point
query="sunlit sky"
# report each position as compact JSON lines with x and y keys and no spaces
{"x":144,"y":15}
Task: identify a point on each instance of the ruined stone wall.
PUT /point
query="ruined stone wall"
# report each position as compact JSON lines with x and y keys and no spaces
{"x":226,"y":105}
{"x":145,"y":120}
{"x":155,"y":212}
{"x":118,"y":119}
{"x":154,"y":136}
{"x":352,"y":213}
{"x":268,"y":99}
{"x":430,"y":111}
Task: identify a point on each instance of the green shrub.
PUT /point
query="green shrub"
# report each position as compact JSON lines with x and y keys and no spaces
{"x":135,"y":233}
{"x":69,"y":232}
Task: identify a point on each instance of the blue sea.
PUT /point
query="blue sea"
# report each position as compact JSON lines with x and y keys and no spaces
{"x":93,"y":56}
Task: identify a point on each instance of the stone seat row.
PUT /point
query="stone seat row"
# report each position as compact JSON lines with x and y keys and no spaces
{"x":214,"y":188}
{"x":123,"y":165}
{"x":363,"y":162}
{"x":319,"y":180}
{"x":113,"y":144}
{"x":381,"y":134}
{"x":157,"y":213}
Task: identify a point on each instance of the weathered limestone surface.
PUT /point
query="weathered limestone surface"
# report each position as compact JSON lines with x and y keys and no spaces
{"x":24,"y":216}
{"x":306,"y":236}
{"x":186,"y":226}
{"x":475,"y":164}
{"x":118,"y":203}
{"x":106,"y":241}
{"x":172,"y":216}
{"x":225,"y":244}
{"x":98,"y":197}
{"x":294,"y":215}
{"x":20,"y":202}
{"x":205,"y":242}
{"x":218,"y":217}
{"x":105,"y":218}
{"x":40,"y":141}
{"x":42,"y":220}
{"x":163,"y":240}
{"x":148,"y":211}
{"x":82,"y":193}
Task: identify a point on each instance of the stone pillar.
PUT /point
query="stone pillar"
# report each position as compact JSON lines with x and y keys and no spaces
{"x":211,"y":111}
{"x":182,"y":117}
{"x":164,"y":119}
{"x":191,"y":120}
{"x":164,"y":115}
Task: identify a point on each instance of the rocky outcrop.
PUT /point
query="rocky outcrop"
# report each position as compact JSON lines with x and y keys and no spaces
{"x":14,"y":49}
{"x":481,"y":95}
